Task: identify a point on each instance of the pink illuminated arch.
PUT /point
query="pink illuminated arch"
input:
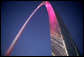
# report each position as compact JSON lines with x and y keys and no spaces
{"x":54,"y":30}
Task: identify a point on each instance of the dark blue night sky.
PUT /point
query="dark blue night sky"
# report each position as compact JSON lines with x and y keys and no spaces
{"x":35,"y":39}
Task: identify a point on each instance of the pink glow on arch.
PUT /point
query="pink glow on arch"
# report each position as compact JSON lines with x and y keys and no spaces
{"x":54,"y":26}
{"x":50,"y":12}
{"x":55,"y":31}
